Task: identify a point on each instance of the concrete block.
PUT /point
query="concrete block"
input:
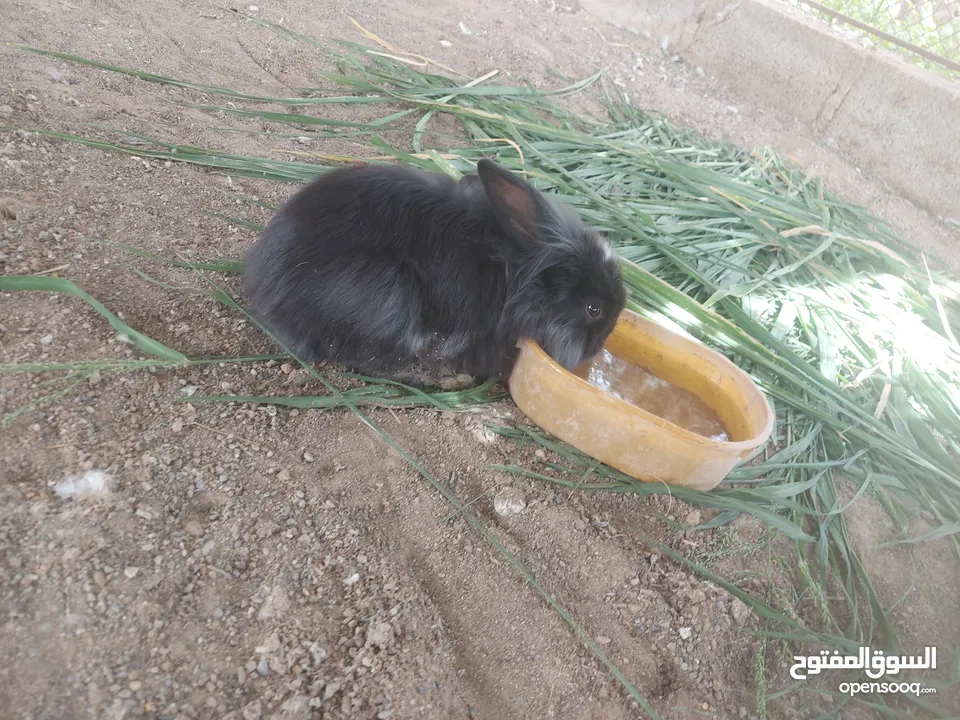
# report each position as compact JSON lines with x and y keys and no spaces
{"x":887,"y":116}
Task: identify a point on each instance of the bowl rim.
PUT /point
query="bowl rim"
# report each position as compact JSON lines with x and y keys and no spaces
{"x":623,"y":406}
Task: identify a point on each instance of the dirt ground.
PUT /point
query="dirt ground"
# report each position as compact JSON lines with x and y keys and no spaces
{"x":253,"y":562}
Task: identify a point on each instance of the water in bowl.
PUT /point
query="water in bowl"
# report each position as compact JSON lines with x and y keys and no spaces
{"x":638,"y":387}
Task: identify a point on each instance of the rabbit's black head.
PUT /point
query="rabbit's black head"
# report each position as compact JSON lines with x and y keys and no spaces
{"x":566,"y":291}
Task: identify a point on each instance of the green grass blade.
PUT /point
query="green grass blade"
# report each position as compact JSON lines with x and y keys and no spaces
{"x":27,"y":283}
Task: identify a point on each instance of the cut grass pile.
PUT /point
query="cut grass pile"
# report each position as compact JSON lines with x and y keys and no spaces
{"x":844,"y":326}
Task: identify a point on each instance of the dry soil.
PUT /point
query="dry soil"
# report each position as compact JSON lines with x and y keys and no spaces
{"x":260,"y":562}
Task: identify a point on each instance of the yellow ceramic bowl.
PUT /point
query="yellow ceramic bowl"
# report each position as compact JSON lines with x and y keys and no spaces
{"x":630,"y":439}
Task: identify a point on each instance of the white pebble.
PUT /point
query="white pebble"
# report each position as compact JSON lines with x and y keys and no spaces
{"x":318,"y":653}
{"x":92,"y":482}
{"x":270,"y":646}
{"x":509,"y":501}
{"x":131,"y":572}
{"x":46,"y":339}
{"x":686,"y":633}
{"x":484,"y":434}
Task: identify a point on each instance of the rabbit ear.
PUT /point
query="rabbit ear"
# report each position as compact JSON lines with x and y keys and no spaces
{"x":517,"y":203}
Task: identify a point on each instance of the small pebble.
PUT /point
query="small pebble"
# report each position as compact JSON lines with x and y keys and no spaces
{"x":602,"y":640}
{"x":131,"y":571}
{"x":46,"y":339}
{"x":686,"y":633}
{"x":194,"y":528}
{"x":253,"y":711}
{"x":271,"y":645}
{"x":283,"y":475}
{"x":294,"y":708}
{"x":308,"y":457}
{"x":509,"y":501}
{"x":262,"y":667}
{"x":176,"y":425}
{"x":740,"y":610}
{"x":318,"y":653}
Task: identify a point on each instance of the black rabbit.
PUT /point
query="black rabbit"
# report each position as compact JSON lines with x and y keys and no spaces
{"x":381,"y":267}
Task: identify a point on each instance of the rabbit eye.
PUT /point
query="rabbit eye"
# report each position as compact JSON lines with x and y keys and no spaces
{"x":593,"y":310}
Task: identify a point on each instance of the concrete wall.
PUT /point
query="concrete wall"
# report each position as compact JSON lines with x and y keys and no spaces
{"x":890,"y":118}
